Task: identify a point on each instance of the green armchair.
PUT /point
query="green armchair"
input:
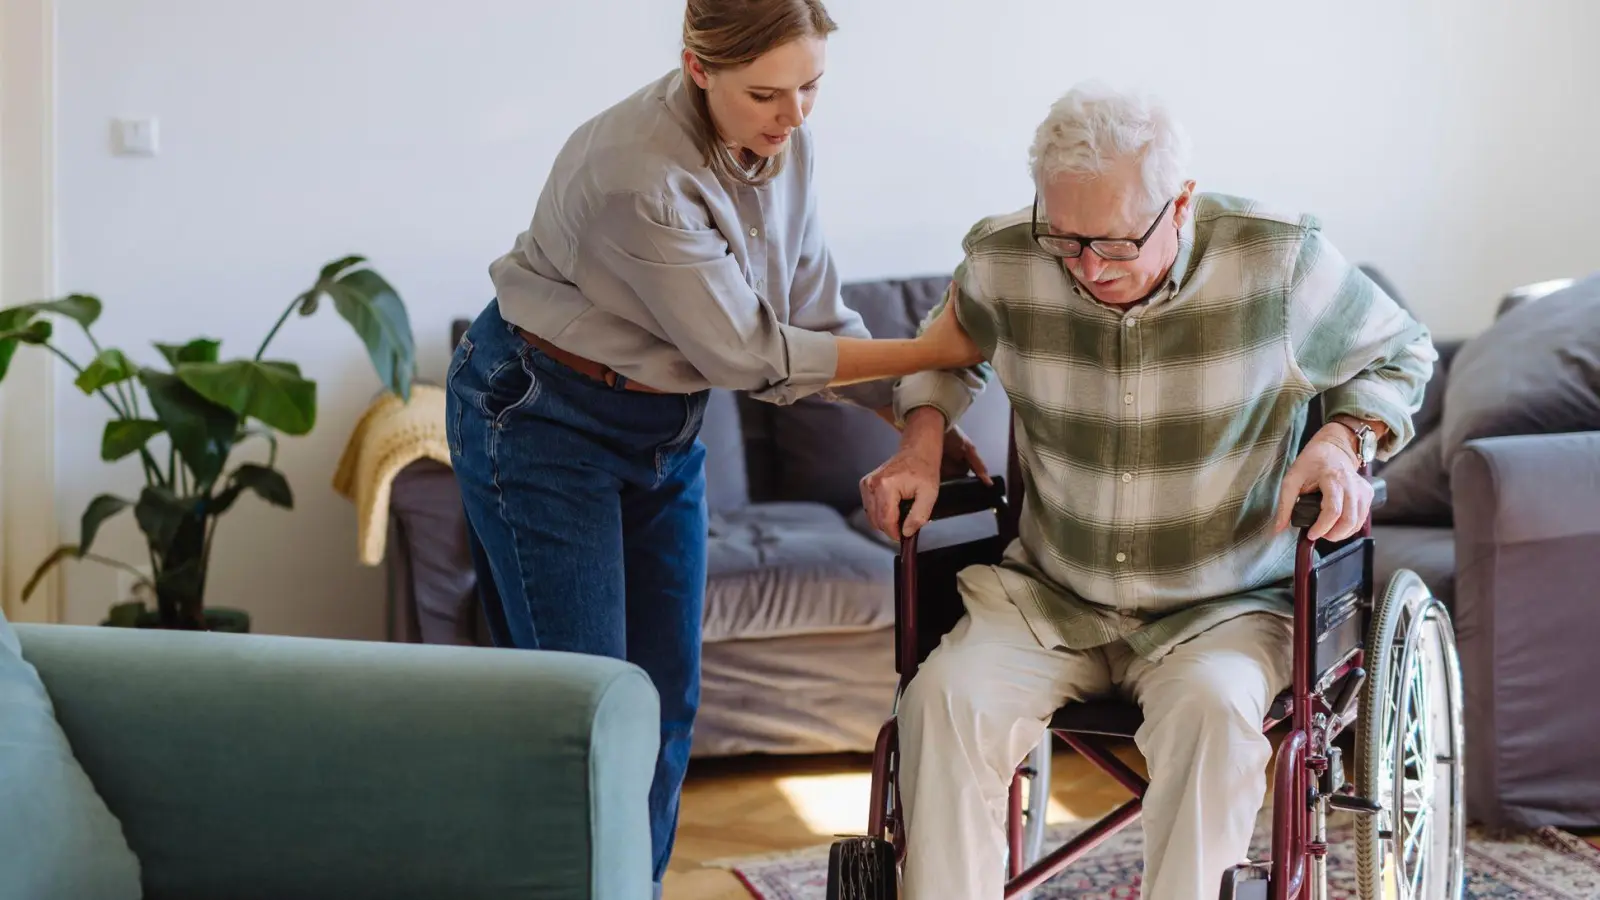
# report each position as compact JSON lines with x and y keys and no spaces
{"x":254,"y":766}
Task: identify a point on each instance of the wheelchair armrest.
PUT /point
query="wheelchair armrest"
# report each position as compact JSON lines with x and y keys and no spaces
{"x":961,"y":496}
{"x":1309,"y":506}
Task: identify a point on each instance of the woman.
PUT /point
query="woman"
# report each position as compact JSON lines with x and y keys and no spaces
{"x":674,"y":248}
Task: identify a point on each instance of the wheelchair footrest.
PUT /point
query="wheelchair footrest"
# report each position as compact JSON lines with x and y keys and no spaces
{"x":862,"y":868}
{"x":1247,"y":881}
{"x":1354,"y":804}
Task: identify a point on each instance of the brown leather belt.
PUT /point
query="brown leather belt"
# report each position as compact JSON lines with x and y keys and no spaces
{"x":589,"y":367}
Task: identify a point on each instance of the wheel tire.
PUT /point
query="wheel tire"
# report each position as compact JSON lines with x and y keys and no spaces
{"x":861,"y":868}
{"x":1413,"y":680}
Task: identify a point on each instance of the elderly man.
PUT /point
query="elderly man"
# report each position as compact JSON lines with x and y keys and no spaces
{"x":1159,"y":348}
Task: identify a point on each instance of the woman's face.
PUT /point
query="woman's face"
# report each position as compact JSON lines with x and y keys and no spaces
{"x":756,"y":107}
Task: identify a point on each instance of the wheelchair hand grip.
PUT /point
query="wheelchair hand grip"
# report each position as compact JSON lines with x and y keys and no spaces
{"x":960,"y":496}
{"x":1309,"y":507}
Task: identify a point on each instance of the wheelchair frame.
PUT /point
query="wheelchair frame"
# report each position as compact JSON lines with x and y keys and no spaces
{"x":1334,"y":614}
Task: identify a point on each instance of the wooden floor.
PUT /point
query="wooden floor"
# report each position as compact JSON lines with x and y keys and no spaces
{"x":750,"y":806}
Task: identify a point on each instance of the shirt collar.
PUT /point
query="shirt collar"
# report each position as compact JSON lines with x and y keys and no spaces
{"x":1180,"y":263}
{"x":677,"y":98}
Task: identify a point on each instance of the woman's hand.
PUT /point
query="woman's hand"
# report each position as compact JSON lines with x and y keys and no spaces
{"x":942,"y":345}
{"x":947,"y":341}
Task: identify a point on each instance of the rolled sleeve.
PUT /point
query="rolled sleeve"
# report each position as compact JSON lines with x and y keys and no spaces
{"x":952,"y":391}
{"x":693,"y":288}
{"x":947,"y":392}
{"x":1357,"y":346}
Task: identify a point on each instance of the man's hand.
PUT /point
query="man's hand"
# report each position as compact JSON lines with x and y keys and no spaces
{"x":928,"y":452}
{"x":1328,"y":465}
{"x":960,"y":457}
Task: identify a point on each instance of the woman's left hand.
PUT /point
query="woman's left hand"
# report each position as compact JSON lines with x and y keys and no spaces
{"x":948,"y":341}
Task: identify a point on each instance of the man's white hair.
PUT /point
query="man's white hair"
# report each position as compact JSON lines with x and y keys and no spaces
{"x":1093,"y":127}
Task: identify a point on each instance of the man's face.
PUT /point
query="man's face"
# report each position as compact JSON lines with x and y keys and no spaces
{"x":1113,"y":206}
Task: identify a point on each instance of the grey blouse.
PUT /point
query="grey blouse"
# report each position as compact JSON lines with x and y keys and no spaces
{"x":641,"y":258}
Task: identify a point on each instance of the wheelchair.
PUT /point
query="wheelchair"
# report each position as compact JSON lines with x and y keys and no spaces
{"x":1383,"y":662}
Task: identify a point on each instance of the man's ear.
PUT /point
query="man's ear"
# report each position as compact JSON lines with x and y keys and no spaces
{"x":691,"y":64}
{"x":1183,"y":206}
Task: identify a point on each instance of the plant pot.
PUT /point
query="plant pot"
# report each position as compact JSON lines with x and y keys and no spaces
{"x":231,"y":621}
{"x":217,"y":618}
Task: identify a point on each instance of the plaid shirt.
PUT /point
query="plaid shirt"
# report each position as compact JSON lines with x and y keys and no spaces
{"x":1153,"y":440}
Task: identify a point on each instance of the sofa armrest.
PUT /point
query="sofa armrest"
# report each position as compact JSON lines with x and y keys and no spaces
{"x":263,"y":766}
{"x":1527,"y":542}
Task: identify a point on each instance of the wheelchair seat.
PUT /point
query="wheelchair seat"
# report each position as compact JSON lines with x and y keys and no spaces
{"x":1122,"y":718}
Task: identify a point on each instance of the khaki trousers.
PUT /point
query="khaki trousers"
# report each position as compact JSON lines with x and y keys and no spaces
{"x":984,"y":697}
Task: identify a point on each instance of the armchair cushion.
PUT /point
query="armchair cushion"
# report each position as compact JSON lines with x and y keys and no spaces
{"x":58,"y":839}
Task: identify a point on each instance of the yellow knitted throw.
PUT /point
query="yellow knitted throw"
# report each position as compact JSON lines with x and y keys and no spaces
{"x":390,"y":435}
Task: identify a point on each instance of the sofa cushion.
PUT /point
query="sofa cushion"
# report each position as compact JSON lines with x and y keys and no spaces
{"x":778,"y":569}
{"x":1428,"y":551}
{"x":1536,"y":370}
{"x":1418,"y":486}
{"x":727,"y":486}
{"x":823,"y":449}
{"x":58,"y":839}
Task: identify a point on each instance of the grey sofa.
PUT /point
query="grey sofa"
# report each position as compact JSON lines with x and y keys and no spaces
{"x":798,"y":651}
{"x":257,"y":766}
{"x":799,"y":606}
{"x":1497,"y":504}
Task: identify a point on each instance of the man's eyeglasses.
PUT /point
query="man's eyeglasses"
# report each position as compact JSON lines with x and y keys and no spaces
{"x":1069,"y":247}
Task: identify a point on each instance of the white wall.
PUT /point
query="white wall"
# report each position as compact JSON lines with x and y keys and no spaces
{"x":1428,"y":134}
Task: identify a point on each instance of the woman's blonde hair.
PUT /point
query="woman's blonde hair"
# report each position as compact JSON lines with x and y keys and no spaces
{"x":727,"y":34}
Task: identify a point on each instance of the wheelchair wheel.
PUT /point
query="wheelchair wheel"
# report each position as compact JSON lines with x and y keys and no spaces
{"x":861,"y":868}
{"x":1410,"y":740}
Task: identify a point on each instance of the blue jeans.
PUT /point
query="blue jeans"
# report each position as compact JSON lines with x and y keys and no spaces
{"x":586,"y":513}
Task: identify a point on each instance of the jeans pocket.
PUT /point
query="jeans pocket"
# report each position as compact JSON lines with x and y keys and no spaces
{"x":453,"y":404}
{"x":510,"y":386}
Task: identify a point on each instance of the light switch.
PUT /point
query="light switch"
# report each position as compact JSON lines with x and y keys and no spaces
{"x":135,"y":137}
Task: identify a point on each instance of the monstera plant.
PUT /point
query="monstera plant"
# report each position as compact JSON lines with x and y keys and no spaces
{"x":184,"y":421}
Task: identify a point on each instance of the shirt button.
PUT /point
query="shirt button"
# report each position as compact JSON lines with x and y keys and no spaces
{"x":1122,"y":557}
{"x":1127,"y":399}
{"x":754,"y":232}
{"x":1127,"y":477}
{"x":1128,"y":321}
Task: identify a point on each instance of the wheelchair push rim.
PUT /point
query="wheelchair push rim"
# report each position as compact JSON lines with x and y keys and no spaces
{"x":1411,"y":741}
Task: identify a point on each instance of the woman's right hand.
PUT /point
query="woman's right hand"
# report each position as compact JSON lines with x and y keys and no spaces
{"x":947,"y":341}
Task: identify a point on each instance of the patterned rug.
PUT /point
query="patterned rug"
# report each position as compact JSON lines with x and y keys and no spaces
{"x":1544,"y":865}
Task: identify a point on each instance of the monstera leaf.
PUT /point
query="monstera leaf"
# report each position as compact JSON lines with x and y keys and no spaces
{"x":267,"y":482}
{"x":196,"y":351}
{"x":271,"y":392}
{"x":373,"y":308}
{"x":201,"y":431}
{"x":17,"y":327}
{"x":125,"y":436}
{"x":109,"y":367}
{"x":100,"y":509}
